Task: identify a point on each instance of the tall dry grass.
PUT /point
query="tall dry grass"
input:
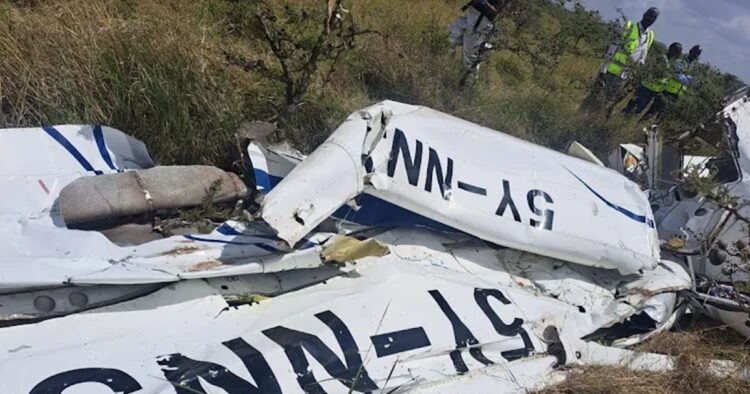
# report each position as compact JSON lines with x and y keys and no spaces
{"x":156,"y":69}
{"x":693,"y":343}
{"x":149,"y":68}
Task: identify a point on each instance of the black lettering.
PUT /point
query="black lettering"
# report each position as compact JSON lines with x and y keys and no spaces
{"x":399,"y":341}
{"x":353,"y":374}
{"x":472,"y":189}
{"x":256,"y":364}
{"x":183,"y":372}
{"x":547,"y":214}
{"x":412,"y":165}
{"x":481,"y":296}
{"x":506,"y":202}
{"x":433,"y":166}
{"x":463,"y":336}
{"x":117,"y":381}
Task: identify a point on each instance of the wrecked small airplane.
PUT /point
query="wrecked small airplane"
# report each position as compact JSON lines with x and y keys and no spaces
{"x":411,"y":252}
{"x":710,"y":236}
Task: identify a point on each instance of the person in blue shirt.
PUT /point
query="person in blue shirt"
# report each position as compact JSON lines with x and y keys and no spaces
{"x":677,"y":83}
{"x":659,"y":77}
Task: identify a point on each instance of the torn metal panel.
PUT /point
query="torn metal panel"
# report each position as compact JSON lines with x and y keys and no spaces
{"x":739,"y":112}
{"x":363,"y":210}
{"x":347,"y":308}
{"x":403,"y":314}
{"x":439,"y":311}
{"x":15,"y":307}
{"x":731,"y":309}
{"x":606,"y":296}
{"x":37,"y":251}
{"x":663,"y":323}
{"x":275,"y":283}
{"x":493,"y":186}
{"x":709,"y":237}
{"x":87,"y":257}
{"x":598,"y":355}
{"x":576,"y":149}
{"x":34,"y":254}
{"x":271,"y":164}
{"x":38,"y":162}
{"x":319,"y":196}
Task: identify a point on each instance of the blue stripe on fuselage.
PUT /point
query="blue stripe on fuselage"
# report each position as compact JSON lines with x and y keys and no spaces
{"x":373,"y":211}
{"x":624,"y":211}
{"x":102,"y":145}
{"x":57,"y":136}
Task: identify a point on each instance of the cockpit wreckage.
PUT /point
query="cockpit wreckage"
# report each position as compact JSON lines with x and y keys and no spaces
{"x":411,"y":252}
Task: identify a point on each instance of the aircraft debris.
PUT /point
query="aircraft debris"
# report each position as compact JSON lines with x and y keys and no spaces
{"x":485,"y":264}
{"x":137,"y":192}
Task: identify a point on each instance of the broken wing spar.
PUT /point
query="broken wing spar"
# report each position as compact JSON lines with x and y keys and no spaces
{"x":473,"y":179}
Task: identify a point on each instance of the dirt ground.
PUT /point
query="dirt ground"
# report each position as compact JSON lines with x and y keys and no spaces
{"x":692,"y":341}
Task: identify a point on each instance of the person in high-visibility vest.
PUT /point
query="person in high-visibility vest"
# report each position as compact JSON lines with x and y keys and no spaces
{"x":653,"y":85}
{"x":677,"y":83}
{"x":680,"y":79}
{"x":632,"y":49}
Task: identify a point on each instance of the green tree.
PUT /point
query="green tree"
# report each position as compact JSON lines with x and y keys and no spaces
{"x":306,"y":39}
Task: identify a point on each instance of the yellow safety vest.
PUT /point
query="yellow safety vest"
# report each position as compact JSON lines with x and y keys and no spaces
{"x":658,"y":85}
{"x":631,"y":39}
{"x":673,"y":85}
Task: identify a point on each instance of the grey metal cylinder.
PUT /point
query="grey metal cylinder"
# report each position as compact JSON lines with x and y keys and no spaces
{"x":112,"y":196}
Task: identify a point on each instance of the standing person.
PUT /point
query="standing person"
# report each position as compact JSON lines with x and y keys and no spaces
{"x":632,"y":50}
{"x":681,"y":78}
{"x":677,"y":83}
{"x":654,"y":84}
{"x":693,"y":56}
{"x":472,"y":30}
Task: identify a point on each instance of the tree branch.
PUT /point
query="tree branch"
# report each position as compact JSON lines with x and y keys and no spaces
{"x":258,"y":66}
{"x":277,"y":50}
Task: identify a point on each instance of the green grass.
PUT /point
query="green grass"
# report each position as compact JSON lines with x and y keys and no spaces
{"x":150,"y":70}
{"x":156,"y":69}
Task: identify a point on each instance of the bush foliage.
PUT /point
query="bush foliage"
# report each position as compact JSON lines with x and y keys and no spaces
{"x":166,"y":71}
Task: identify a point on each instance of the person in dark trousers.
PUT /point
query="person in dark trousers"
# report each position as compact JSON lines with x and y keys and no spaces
{"x":694,"y":55}
{"x":472,"y":30}
{"x":676,"y":84}
{"x":632,"y":49}
{"x":682,"y":76}
{"x":654,"y":84}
